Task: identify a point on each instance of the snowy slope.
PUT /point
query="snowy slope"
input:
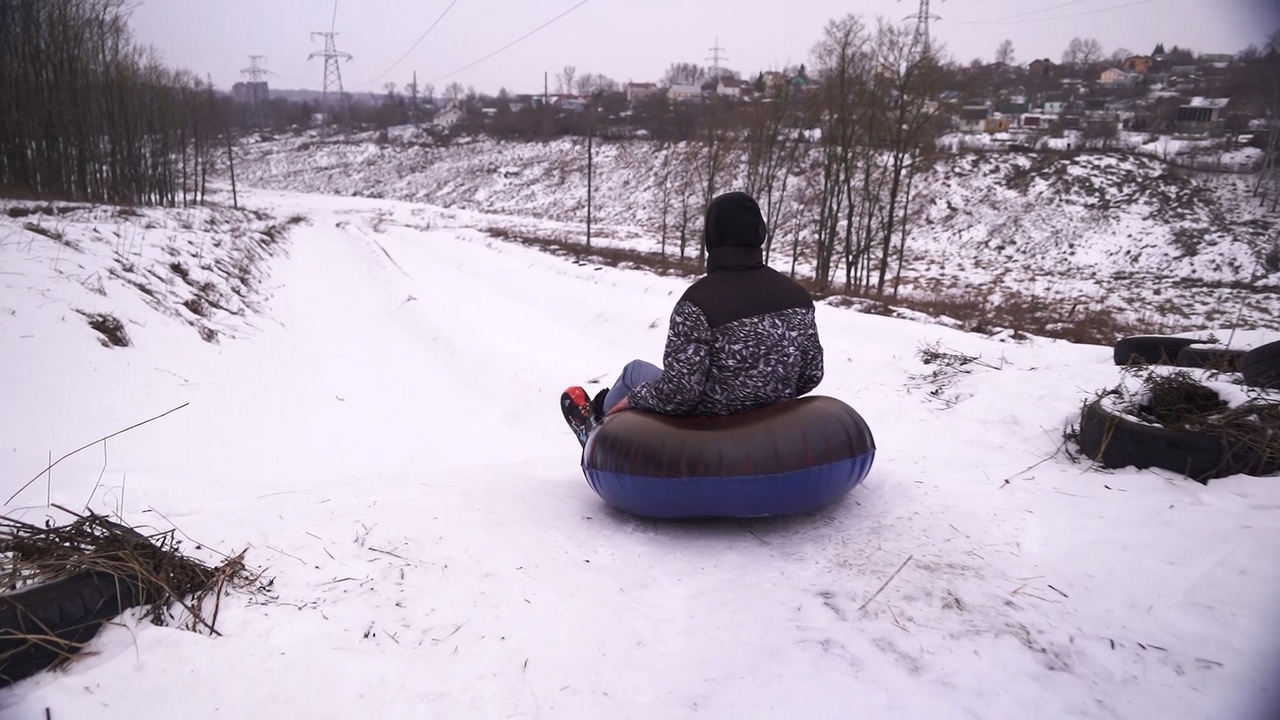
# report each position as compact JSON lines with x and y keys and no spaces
{"x":386,"y":443}
{"x":1162,"y":247}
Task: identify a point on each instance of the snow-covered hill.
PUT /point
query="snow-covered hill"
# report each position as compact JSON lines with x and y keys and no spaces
{"x":1157,"y":246}
{"x":380,"y":430}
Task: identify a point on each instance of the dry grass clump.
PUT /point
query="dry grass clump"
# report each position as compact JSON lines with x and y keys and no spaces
{"x":61,"y":583}
{"x":153,"y":564}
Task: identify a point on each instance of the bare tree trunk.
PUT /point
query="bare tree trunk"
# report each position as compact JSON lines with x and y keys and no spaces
{"x":231,"y":165}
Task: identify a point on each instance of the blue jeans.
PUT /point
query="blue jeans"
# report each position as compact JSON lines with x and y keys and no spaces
{"x":636,"y":372}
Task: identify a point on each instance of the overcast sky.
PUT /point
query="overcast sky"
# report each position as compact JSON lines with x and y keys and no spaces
{"x":637,"y":39}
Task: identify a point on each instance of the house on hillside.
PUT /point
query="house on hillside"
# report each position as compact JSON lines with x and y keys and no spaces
{"x":729,"y":87}
{"x":1201,"y":116}
{"x":1041,"y":67}
{"x":1140,"y":64}
{"x":996,"y":125}
{"x":1073,"y":86}
{"x":773,"y":80}
{"x":639,"y":91}
{"x":973,"y":117}
{"x":1115,"y":77}
{"x":684,"y":94}
{"x":1036,"y":121}
{"x":1215,"y":60}
{"x":1013,"y":105}
{"x":448,"y":117}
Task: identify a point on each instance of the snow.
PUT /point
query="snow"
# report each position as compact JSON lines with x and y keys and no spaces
{"x":380,"y":429}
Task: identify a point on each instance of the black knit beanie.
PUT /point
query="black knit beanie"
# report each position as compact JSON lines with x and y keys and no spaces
{"x":733,"y":220}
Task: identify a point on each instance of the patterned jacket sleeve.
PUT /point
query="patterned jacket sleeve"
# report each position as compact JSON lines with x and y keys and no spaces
{"x":685,"y":363}
{"x":811,"y":367}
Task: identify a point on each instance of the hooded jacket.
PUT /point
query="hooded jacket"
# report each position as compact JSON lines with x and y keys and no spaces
{"x":743,"y":336}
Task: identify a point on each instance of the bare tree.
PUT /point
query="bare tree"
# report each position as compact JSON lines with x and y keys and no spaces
{"x":454,"y":91}
{"x":771,"y":154}
{"x":1082,"y":52}
{"x":595,"y":84}
{"x":684,"y":74}
{"x":909,"y":83}
{"x":565,"y":79}
{"x":1004,"y":52}
{"x":91,"y":116}
{"x":844,"y":66}
{"x":1119,"y":56}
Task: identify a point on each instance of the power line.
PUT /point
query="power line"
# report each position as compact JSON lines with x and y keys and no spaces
{"x":510,"y":44}
{"x":1020,"y":15}
{"x":415,"y":44}
{"x":1055,"y":17}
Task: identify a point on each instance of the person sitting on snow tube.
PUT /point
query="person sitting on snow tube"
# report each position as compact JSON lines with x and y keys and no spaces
{"x":742,"y":337}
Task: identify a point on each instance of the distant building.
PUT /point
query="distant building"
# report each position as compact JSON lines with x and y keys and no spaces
{"x":1015,"y":105}
{"x":1040,"y":67}
{"x":732,"y":87}
{"x":995,"y":125}
{"x":1115,"y":77}
{"x":639,"y":91}
{"x":684,"y":93}
{"x":773,"y":80}
{"x":973,"y":118}
{"x":250,"y":92}
{"x":1140,"y":64}
{"x":1201,"y":116}
{"x":1036,"y":121}
{"x":448,"y":117}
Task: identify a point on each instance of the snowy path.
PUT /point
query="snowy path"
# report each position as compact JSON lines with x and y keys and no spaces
{"x":390,"y":448}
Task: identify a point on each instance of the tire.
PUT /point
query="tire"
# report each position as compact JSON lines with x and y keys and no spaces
{"x":1150,"y":349}
{"x":1261,"y":366}
{"x":1210,"y":358}
{"x":1115,"y":441}
{"x":45,"y":622}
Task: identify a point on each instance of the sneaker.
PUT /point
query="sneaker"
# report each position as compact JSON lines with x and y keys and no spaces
{"x":597,"y":407}
{"x":577,"y":412}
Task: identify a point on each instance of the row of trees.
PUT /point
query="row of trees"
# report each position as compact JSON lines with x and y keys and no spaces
{"x":834,"y":168}
{"x":88,"y":115}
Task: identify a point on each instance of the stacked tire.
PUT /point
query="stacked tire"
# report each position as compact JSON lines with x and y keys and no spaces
{"x":45,"y":623}
{"x":1115,"y":439}
{"x":1260,"y":367}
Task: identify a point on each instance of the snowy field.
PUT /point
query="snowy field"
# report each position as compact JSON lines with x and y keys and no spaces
{"x":376,"y":421}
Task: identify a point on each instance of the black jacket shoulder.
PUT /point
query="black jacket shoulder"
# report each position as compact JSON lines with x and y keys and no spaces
{"x":726,"y":296}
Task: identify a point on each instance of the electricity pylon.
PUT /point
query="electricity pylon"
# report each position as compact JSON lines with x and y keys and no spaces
{"x":332,"y":72}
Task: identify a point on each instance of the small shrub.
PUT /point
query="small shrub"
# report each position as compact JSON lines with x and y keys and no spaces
{"x":39,"y":230}
{"x":112,"y":330}
{"x":197,"y":306}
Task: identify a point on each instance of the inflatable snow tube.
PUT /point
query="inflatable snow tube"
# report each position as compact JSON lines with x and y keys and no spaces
{"x":793,"y":457}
